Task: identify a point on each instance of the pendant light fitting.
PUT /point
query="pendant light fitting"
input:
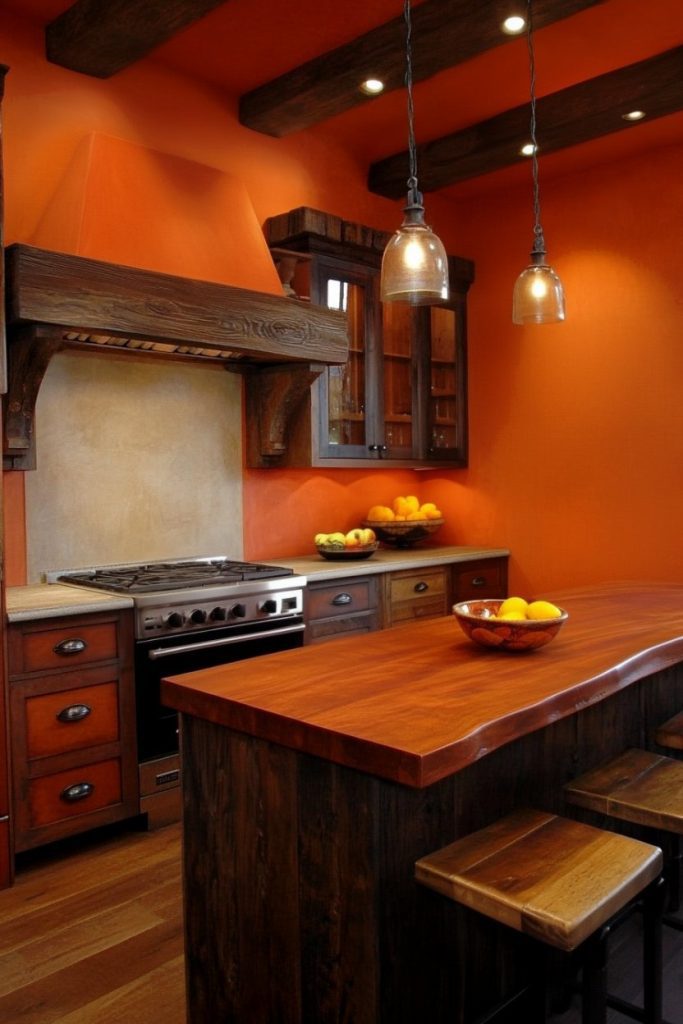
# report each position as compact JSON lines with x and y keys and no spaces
{"x":414,"y":263}
{"x":538,"y":296}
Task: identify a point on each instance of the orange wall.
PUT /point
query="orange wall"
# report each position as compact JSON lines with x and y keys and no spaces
{"x":575,"y":430}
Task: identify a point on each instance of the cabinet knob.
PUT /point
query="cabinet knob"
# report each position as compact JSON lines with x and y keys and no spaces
{"x":421,"y":587}
{"x":79,"y":791}
{"x":74,"y":713}
{"x":67,"y":647}
{"x":478,"y":581}
{"x":342,"y":599}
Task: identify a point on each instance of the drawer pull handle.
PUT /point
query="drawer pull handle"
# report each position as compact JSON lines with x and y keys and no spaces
{"x":74,"y":713}
{"x":66,"y":647}
{"x":79,"y":791}
{"x":342,"y":599}
{"x":478,"y":581}
{"x":421,"y":587}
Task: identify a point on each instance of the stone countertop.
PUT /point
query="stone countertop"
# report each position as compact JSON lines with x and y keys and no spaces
{"x":315,"y":567}
{"x":50,"y":600}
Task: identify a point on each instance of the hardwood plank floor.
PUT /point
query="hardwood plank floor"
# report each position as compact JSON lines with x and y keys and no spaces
{"x":91,"y":933}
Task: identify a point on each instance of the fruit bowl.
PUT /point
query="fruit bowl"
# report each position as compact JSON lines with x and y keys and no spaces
{"x":474,"y":618}
{"x":404,"y":534}
{"x":346,"y":554}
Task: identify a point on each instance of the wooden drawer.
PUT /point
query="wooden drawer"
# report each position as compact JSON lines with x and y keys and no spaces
{"x":71,"y":719}
{"x":414,"y":594}
{"x":342,"y":607}
{"x":485,"y":578}
{"x":63,"y":647}
{"x":341,"y":597}
{"x":66,"y":794}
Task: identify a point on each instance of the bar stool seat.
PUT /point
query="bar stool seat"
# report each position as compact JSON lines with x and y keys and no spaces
{"x":556,"y":880}
{"x":645,"y":789}
{"x":670,"y":734}
{"x":638,"y":786}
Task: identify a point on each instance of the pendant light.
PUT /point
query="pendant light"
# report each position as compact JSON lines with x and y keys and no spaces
{"x":414,"y":264}
{"x":538,"y":296}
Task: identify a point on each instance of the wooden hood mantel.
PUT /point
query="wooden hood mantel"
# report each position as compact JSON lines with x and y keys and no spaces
{"x":57,"y":301}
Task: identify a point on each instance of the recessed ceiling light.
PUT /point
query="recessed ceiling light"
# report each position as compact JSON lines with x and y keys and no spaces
{"x":634,"y":115}
{"x":513,"y":25}
{"x":372,"y":86}
{"x":528,"y":149}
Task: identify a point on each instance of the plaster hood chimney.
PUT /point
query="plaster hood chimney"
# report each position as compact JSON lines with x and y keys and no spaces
{"x":142,"y":251}
{"x":127,"y":204}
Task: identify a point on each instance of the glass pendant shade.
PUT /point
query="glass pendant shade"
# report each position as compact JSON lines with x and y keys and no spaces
{"x":414,"y":264}
{"x":538,"y":296}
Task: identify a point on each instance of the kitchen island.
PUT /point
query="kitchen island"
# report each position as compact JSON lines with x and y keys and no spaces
{"x":314,"y":779}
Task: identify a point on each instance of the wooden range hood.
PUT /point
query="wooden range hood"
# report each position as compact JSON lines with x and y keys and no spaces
{"x":57,"y":301}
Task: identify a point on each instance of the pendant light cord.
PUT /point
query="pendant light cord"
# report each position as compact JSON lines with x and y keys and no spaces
{"x":414,"y":197}
{"x":539,"y":241}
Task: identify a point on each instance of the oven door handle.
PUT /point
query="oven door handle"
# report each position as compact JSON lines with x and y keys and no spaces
{"x":166,"y":652}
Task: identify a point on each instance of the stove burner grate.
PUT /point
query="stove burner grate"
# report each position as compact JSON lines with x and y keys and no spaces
{"x":175,"y":575}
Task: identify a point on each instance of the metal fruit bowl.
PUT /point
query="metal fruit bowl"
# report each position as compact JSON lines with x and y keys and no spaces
{"x":474,"y":618}
{"x":404,"y":534}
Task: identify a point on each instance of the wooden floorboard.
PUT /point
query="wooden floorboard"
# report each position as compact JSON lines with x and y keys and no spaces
{"x":91,"y":933}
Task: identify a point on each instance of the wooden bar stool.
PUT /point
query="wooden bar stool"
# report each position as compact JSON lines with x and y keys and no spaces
{"x":559,"y":882}
{"x":645,"y":789}
{"x":670,"y":734}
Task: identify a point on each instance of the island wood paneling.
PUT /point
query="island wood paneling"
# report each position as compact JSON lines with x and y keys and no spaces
{"x":301,"y":904}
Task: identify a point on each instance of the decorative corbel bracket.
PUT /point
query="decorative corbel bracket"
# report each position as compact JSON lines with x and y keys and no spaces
{"x":31,"y":349}
{"x":274,"y":394}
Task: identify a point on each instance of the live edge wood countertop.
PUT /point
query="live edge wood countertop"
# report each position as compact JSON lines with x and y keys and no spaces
{"x":418,"y":702}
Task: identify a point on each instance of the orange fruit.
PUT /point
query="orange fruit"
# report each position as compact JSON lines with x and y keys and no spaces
{"x":380,"y":514}
{"x":401,"y":507}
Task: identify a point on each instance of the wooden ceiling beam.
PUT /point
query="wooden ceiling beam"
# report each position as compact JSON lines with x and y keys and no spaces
{"x":571,"y":116}
{"x":101,"y":37}
{"x":445,"y":33}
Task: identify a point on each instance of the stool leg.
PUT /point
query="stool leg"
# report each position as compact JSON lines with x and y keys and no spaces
{"x":653,"y":911}
{"x":674,"y":873}
{"x":594,"y":987}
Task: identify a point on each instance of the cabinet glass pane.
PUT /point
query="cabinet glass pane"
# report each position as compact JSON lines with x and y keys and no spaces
{"x":443,"y":411}
{"x":346,"y":384}
{"x":397,"y":330}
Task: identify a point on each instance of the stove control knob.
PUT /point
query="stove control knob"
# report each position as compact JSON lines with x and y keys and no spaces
{"x":198,"y":615}
{"x":269,"y":606}
{"x":174,"y":619}
{"x":218,"y":614}
{"x":238,"y":611}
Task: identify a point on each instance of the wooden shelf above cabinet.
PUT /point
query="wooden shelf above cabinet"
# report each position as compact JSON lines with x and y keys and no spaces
{"x":58,"y":301}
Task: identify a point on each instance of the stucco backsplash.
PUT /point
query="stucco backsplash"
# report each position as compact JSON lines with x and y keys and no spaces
{"x":136,"y":460}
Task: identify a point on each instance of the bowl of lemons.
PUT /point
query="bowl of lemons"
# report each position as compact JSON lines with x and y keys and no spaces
{"x":405,"y":522}
{"x":514,"y":624}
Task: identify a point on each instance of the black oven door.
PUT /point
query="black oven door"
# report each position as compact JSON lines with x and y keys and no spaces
{"x":157,"y":726}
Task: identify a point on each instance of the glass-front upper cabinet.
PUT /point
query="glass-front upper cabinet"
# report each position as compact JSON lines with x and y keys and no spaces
{"x":401,"y":397}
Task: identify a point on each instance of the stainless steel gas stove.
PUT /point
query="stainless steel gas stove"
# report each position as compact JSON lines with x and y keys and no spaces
{"x":196,"y":613}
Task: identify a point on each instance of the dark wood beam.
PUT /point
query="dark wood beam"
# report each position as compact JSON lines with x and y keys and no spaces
{"x":100,"y":37}
{"x":445,"y":33}
{"x":566,"y":118}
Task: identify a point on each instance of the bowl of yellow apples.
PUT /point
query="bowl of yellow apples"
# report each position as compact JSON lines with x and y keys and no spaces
{"x":513,"y":624}
{"x":360,"y":542}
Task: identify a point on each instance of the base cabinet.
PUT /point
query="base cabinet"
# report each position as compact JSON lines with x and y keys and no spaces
{"x":342,"y":607}
{"x":362,"y":604}
{"x":72,"y":725}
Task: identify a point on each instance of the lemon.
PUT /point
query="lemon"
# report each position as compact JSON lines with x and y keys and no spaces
{"x":543,"y":610}
{"x":513,"y":604}
{"x":516,"y":615}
